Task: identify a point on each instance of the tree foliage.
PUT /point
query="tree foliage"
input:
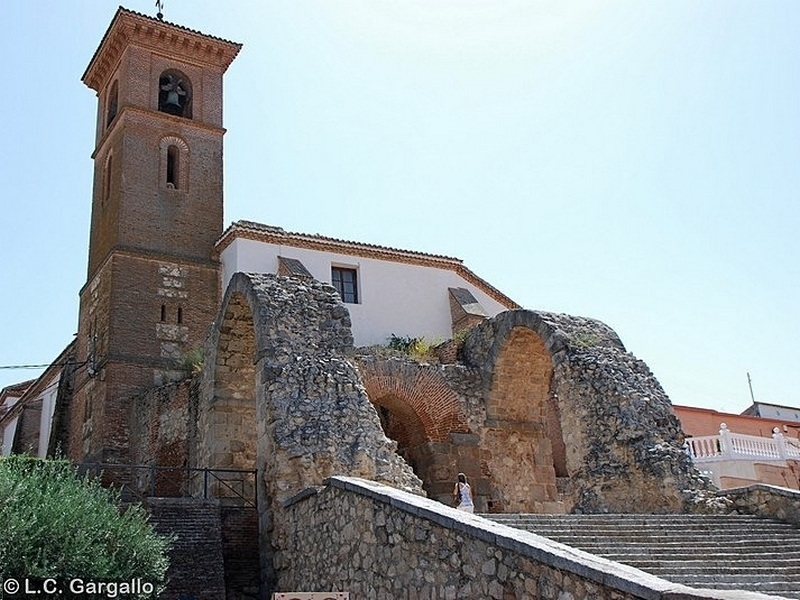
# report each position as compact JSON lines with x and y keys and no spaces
{"x":59,"y":525}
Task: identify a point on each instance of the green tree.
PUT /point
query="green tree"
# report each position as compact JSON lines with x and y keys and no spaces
{"x":56,"y":524}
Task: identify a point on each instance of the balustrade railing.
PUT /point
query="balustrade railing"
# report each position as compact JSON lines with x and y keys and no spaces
{"x":739,"y":446}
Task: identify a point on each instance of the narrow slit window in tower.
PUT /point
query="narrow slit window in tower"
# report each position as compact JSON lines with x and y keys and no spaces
{"x":163,"y":312}
{"x":180,"y":315}
{"x":107,"y":179}
{"x":113,"y":100}
{"x":173,"y":167}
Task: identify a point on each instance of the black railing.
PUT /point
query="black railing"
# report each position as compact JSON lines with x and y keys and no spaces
{"x":138,"y":482}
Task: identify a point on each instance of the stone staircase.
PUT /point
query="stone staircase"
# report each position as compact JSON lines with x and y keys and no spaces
{"x":723,"y":552}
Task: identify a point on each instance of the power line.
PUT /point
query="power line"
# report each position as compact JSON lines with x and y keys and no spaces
{"x":42,"y":366}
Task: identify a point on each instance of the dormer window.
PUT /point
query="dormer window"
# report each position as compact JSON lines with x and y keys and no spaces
{"x":175,"y":94}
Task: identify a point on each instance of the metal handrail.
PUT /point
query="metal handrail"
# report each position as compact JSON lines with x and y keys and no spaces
{"x":210,"y":476}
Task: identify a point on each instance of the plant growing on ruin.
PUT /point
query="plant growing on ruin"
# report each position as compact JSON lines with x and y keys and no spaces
{"x":417,"y":348}
{"x":585,"y":339}
{"x":61,"y":526}
{"x":193,"y":361}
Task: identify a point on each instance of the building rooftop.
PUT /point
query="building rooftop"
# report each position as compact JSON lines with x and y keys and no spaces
{"x":260,"y":232}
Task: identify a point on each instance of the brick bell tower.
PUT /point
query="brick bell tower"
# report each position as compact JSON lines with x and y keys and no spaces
{"x":152,"y":287}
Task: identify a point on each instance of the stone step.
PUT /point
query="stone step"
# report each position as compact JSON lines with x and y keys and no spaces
{"x":728,"y":552}
{"x":783,"y":572}
{"x":702,"y":525}
{"x":687,"y":537}
{"x":765,"y":558}
{"x":747,"y":549}
{"x":565,"y":521}
{"x":705,"y":525}
{"x":782,"y":590}
{"x":674,"y":517}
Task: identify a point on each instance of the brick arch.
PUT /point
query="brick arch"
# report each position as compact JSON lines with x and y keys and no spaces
{"x":423,"y":415}
{"x":406,"y":388}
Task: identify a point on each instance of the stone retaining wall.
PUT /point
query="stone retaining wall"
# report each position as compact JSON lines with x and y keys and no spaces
{"x":767,"y":501}
{"x":378,"y":542}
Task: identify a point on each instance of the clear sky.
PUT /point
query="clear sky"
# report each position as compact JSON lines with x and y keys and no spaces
{"x":636,"y":162}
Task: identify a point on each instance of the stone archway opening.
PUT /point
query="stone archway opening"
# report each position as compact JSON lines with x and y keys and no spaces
{"x":231,"y":438}
{"x":402,"y":425}
{"x":523,"y":448}
{"x":421,"y":412}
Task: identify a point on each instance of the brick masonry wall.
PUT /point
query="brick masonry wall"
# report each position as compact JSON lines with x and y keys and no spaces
{"x":160,"y":430}
{"x":240,"y":552}
{"x":196,"y":558}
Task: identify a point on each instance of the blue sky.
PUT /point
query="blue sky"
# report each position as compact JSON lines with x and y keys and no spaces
{"x":636,"y":162}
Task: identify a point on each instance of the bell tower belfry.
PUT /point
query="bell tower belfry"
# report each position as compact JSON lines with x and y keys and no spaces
{"x":152,"y":285}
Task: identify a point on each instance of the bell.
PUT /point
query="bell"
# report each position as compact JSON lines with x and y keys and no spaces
{"x":173,"y":90}
{"x":173,"y":100}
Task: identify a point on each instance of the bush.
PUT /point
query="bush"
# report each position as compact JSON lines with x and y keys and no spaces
{"x":61,"y":526}
{"x":416,"y":348}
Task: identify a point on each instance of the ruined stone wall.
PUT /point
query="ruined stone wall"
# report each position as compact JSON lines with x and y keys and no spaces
{"x":281,"y":395}
{"x":544,"y":413}
{"x":377,"y":542}
{"x":622,"y":445}
{"x":162,"y":423}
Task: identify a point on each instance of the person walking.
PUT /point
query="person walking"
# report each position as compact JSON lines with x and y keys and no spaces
{"x":462,"y":494}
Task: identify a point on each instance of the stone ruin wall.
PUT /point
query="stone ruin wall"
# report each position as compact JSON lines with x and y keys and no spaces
{"x":280,"y":395}
{"x":543,"y":412}
{"x":615,"y":443}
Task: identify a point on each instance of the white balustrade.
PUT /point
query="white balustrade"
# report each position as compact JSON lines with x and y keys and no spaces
{"x":738,"y":446}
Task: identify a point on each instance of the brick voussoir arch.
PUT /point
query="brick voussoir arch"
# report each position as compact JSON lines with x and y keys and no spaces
{"x":423,"y":390}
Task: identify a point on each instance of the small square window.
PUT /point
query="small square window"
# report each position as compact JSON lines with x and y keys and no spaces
{"x":346,"y":283}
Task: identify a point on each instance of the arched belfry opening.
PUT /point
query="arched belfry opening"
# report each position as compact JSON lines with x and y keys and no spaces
{"x":522,"y":441}
{"x":175,"y":94}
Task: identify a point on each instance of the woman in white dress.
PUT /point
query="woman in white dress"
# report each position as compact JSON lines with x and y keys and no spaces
{"x":462,"y":494}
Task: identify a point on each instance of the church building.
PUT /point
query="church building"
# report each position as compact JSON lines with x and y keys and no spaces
{"x":248,"y":365}
{"x":159,"y":259}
